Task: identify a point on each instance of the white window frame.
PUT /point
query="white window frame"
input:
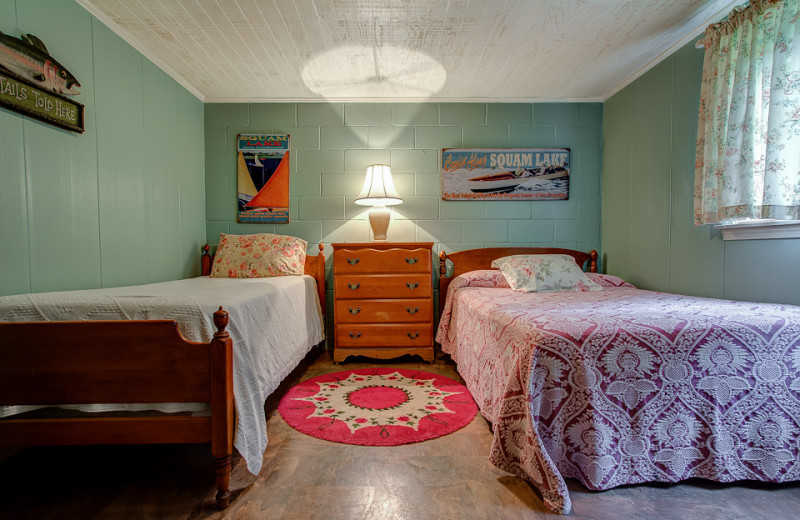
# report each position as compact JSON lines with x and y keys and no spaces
{"x":758,"y":229}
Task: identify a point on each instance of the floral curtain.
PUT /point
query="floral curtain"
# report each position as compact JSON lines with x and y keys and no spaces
{"x":748,"y":136}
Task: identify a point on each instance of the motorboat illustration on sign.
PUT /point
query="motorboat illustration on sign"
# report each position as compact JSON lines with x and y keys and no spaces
{"x":505,"y":173}
{"x":504,"y":182}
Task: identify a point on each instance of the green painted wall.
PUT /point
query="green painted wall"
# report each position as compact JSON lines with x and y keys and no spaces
{"x":332,"y":144}
{"x":123,"y":203}
{"x":648,"y":236}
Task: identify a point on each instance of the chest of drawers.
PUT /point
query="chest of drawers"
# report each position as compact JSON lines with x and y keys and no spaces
{"x":383,"y":300}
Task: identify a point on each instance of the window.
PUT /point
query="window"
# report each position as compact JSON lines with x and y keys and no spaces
{"x":747,"y":170}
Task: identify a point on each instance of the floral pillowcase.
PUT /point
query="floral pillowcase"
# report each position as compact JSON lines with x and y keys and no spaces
{"x":495,"y":278}
{"x":544,"y":273}
{"x":258,"y":256}
{"x":480,"y":278}
{"x":607,"y":280}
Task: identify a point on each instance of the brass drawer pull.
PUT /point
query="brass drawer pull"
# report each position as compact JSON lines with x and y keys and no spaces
{"x":412,"y":335}
{"x":412,"y":261}
{"x":412,"y":311}
{"x":354,"y":335}
{"x":354,"y":286}
{"x":412,"y":285}
{"x":353,"y":261}
{"x":354,"y":311}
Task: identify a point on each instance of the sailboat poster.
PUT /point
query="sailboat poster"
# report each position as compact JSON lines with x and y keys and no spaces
{"x":263,"y":178}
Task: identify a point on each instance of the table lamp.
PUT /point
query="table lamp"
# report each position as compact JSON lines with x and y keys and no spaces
{"x":379,"y":192}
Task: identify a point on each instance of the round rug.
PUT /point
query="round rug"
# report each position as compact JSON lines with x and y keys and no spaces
{"x":378,"y":406}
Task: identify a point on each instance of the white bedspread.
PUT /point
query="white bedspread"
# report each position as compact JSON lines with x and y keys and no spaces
{"x":274,"y":322}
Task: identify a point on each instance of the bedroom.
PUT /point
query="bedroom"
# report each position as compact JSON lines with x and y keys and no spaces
{"x":133,"y":199}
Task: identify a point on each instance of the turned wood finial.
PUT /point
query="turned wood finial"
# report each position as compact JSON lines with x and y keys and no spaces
{"x":442,"y":265}
{"x":221,"y":321}
{"x":321,"y":247}
{"x":205,"y":261}
{"x":593,"y":262}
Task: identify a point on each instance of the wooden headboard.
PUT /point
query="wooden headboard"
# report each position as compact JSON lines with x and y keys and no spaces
{"x":315,"y":266}
{"x":473,"y":259}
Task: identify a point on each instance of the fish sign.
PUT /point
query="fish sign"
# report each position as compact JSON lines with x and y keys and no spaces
{"x":33,"y":83}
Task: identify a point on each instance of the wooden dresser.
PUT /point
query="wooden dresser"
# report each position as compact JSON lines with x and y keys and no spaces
{"x":383,"y":300}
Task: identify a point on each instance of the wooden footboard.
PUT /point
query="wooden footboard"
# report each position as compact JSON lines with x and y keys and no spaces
{"x":45,"y":363}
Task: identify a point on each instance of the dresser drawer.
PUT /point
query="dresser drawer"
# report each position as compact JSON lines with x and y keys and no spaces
{"x":366,"y":260}
{"x":355,"y":335}
{"x":382,"y":286}
{"x":383,"y":300}
{"x":384,"y":311}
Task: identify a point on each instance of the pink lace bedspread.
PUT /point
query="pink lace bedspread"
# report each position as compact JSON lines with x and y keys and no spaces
{"x":624,"y":386}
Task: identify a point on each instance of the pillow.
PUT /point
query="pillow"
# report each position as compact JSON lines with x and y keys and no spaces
{"x":544,"y":273}
{"x":607,"y":280}
{"x":258,"y":256}
{"x":481,"y":278}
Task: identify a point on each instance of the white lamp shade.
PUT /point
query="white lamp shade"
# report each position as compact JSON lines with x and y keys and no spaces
{"x":378,"y":187}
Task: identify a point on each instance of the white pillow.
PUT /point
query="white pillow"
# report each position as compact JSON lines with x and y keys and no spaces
{"x":544,"y":273}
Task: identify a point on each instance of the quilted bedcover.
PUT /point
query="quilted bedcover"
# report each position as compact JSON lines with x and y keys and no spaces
{"x":624,"y":386}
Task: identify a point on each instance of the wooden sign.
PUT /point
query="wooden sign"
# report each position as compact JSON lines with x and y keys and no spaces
{"x":262,"y":170}
{"x":505,"y":173}
{"x":34,"y":83}
{"x":23,"y":97}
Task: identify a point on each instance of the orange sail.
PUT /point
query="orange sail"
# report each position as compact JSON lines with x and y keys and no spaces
{"x":275,"y":193}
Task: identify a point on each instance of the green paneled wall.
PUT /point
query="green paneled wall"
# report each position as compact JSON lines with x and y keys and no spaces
{"x":648,"y":235}
{"x":122,"y":203}
{"x":332,"y":144}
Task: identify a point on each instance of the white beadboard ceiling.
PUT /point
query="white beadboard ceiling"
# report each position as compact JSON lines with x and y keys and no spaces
{"x":406,"y":50}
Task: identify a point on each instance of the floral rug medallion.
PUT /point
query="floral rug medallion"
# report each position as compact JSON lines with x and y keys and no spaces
{"x":378,"y":406}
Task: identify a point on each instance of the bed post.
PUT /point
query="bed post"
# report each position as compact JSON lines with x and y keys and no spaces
{"x":222,"y":406}
{"x":593,"y":261}
{"x":320,"y":276}
{"x":444,"y":282}
{"x":205,"y":261}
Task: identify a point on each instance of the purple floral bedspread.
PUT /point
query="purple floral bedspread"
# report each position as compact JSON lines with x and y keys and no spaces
{"x":624,"y":386}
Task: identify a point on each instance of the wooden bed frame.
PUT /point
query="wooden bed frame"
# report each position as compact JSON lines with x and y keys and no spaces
{"x":46,"y":363}
{"x":474,"y":259}
{"x":67,"y":362}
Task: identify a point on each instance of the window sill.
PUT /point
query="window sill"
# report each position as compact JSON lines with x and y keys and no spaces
{"x":760,"y":229}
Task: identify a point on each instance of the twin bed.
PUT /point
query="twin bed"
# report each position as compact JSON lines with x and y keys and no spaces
{"x":622,"y":386}
{"x":151,"y":357}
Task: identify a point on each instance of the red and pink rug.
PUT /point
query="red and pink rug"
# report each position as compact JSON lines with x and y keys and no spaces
{"x":378,"y":406}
